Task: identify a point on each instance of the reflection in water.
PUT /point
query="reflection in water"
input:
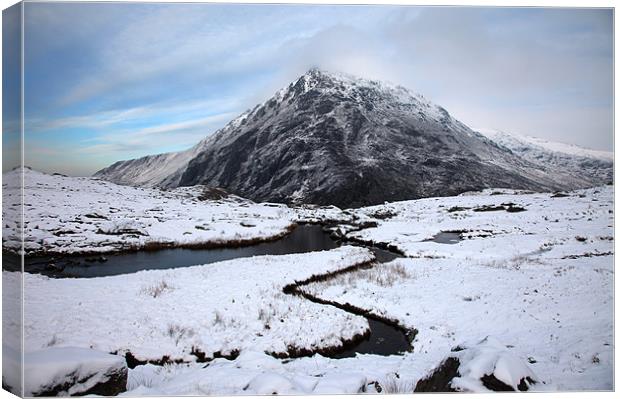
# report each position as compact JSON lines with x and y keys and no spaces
{"x":384,"y":340}
{"x":447,"y":237}
{"x":304,"y":238}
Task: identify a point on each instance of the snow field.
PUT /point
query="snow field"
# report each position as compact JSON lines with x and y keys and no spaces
{"x":539,"y":281}
{"x":525,"y":291}
{"x":221,"y":307}
{"x":68,"y":215}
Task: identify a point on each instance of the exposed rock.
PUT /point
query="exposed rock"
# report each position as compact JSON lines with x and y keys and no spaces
{"x":334,"y":139}
{"x":209,"y":194}
{"x":73,"y":371}
{"x":439,"y":379}
{"x":487,"y":365}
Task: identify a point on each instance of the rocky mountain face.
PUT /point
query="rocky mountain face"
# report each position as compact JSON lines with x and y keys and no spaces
{"x":335,"y":139}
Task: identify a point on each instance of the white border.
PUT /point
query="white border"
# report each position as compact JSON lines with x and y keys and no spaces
{"x":477,"y":3}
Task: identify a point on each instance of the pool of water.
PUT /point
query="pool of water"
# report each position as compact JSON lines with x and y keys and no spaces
{"x":306,"y":238}
{"x":384,"y":339}
{"x":447,"y":237}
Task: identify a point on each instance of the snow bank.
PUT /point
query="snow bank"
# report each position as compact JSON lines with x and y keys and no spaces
{"x":488,"y":359}
{"x":67,"y":371}
{"x":253,"y":373}
{"x":191,"y":312}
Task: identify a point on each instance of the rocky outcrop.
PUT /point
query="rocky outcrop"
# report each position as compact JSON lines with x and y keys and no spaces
{"x":485,"y":366}
{"x":73,"y":371}
{"x":333,"y":139}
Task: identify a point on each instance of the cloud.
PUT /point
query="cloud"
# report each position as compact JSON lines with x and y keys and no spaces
{"x":186,"y":42}
{"x":531,"y":71}
{"x":180,"y":134}
{"x":137,"y":115}
{"x":123,"y":73}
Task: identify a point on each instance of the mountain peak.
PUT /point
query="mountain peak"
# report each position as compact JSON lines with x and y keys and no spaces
{"x":316,"y":77}
{"x":333,"y":138}
{"x":349,"y":84}
{"x":320,"y":72}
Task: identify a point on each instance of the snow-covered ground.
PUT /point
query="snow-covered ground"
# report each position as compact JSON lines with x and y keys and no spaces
{"x":221,"y":307}
{"x":527,"y":291}
{"x":539,"y":280}
{"x":559,"y":314}
{"x":495,"y":228}
{"x":80,"y":215}
{"x":538,"y":283}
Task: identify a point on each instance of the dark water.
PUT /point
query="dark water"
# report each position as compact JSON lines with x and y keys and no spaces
{"x":446,"y":237}
{"x":384,"y":256}
{"x":306,"y":238}
{"x":11,"y":262}
{"x":384,"y":339}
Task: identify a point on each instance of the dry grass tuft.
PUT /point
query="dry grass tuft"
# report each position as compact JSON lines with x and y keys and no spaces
{"x":177,"y":332}
{"x":383,"y":275}
{"x":157,"y":290}
{"x":393,"y":385}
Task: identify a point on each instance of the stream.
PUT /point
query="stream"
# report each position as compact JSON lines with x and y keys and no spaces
{"x":384,"y":338}
{"x":305,"y":238}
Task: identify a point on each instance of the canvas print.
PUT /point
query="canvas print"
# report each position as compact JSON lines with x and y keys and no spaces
{"x":297,"y":199}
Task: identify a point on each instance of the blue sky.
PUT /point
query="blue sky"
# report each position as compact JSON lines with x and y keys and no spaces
{"x":105,"y":82}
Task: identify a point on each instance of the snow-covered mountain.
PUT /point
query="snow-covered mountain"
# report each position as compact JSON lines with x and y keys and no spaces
{"x":595,"y":165}
{"x":335,"y":139}
{"x":151,"y":170}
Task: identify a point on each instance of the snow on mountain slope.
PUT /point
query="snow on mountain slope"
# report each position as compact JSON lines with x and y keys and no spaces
{"x":592,"y":164}
{"x":151,"y":170}
{"x":162,"y":170}
{"x":336,"y":139}
{"x":568,"y":149}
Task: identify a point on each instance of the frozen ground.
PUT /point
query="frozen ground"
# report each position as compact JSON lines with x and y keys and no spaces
{"x":532,"y":272}
{"x":73,"y":215}
{"x":496,"y":226}
{"x":528,"y":292}
{"x":222,"y":307}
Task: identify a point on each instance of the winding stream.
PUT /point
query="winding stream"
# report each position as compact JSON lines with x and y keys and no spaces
{"x":384,"y":338}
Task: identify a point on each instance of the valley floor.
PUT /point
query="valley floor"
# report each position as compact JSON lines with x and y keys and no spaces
{"x":69,"y":215}
{"x":522,"y":282}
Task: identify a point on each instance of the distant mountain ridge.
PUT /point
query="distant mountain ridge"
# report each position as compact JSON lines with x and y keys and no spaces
{"x":330,"y":138}
{"x":595,"y":165}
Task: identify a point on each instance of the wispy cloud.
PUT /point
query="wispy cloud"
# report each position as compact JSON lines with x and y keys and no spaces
{"x":121,"y":80}
{"x":179,"y":134}
{"x":142,"y":114}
